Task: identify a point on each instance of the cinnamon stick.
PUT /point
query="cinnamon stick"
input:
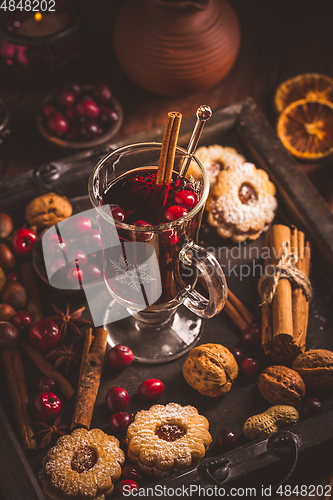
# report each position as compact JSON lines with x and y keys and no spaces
{"x":165,"y":165}
{"x":266,"y":310}
{"x":247,"y":315}
{"x":235,"y":316}
{"x":48,"y":370}
{"x":13,"y":368}
{"x":235,"y":309}
{"x":90,"y":377}
{"x":284,"y":321}
{"x":33,"y":305}
{"x":168,"y":149}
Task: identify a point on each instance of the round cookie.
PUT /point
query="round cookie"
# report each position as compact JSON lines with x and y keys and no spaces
{"x":242,"y":204}
{"x":84,"y":464}
{"x":215,"y":158}
{"x":168,"y":438}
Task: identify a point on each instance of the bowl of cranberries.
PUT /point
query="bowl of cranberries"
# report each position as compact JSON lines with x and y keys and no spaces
{"x":79,"y":116}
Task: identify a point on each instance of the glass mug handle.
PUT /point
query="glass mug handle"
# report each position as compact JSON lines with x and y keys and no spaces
{"x":194,"y":255}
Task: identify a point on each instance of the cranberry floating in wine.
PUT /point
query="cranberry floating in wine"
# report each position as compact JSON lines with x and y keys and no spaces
{"x":149,"y":262}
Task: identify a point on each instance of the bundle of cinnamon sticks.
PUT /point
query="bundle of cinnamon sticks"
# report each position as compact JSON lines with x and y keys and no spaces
{"x":285,"y":315}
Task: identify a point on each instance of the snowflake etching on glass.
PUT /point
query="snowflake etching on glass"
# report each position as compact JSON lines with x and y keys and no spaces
{"x":133,"y":275}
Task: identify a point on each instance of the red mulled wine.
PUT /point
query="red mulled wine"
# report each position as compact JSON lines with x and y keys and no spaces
{"x":131,"y":270}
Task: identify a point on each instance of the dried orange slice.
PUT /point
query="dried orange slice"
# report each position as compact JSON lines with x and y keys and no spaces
{"x":305,"y":128}
{"x":305,"y":86}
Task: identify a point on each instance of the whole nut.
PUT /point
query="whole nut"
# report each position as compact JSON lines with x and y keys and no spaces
{"x":15,"y":295}
{"x":6,"y":225}
{"x":280,"y":385}
{"x":7,"y":258}
{"x":47,"y":210}
{"x":316,"y":368}
{"x":210,"y":369}
{"x":6,"y":312}
{"x":2,"y":279}
{"x":270,"y":421}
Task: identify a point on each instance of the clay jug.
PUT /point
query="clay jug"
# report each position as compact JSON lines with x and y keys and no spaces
{"x":176,"y":47}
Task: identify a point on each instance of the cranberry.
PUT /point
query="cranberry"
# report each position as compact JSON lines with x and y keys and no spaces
{"x":117,"y":213}
{"x":107,"y":116}
{"x":312,"y":407}
{"x":120,"y":356}
{"x":226,"y":440}
{"x":44,"y":334}
{"x":57,"y":123}
{"x":131,"y":472}
{"x":238,"y":354}
{"x":75,"y":88}
{"x":71,"y":114}
{"x":23,"y":241}
{"x":73,"y":134}
{"x":46,"y":384}
{"x":66,"y":98}
{"x":91,"y":129}
{"x":92,"y":272}
{"x":125,"y":487}
{"x":77,"y":256}
{"x":22,"y":320}
{"x":116,"y":399}
{"x":102,"y":92}
{"x":92,"y":240}
{"x":45,"y":406}
{"x":174,"y":213}
{"x":11,"y":277}
{"x":186,"y":198}
{"x":120,"y":421}
{"x":142,"y":223}
{"x":56,"y":246}
{"x":57,"y":265}
{"x":87,"y":108}
{"x":75,"y":277}
{"x":252,"y":335}
{"x":48,"y":109}
{"x":75,"y":226}
{"x":250,"y":367}
{"x":151,"y":389}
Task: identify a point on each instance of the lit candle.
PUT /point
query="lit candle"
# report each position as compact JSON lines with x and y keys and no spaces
{"x":43,"y":25}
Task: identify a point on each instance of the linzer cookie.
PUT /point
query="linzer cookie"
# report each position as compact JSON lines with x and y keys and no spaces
{"x":242,"y":204}
{"x":216,"y":158}
{"x":83,"y":465}
{"x":168,"y":438}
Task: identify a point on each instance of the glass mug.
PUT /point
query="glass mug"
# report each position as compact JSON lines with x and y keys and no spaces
{"x":151,"y":272}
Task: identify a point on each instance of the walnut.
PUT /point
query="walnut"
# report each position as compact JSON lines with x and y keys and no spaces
{"x":210,"y":369}
{"x":47,"y":210}
{"x":316,"y":368}
{"x":280,"y":385}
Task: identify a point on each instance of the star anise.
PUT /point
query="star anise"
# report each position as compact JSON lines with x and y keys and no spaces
{"x":73,"y":321}
{"x":49,"y":430}
{"x":64,"y":356}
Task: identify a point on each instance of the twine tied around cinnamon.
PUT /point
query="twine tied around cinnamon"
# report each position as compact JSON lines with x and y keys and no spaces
{"x":285,"y":268}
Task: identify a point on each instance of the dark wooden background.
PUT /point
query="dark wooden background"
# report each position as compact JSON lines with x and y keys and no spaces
{"x":279,"y":39}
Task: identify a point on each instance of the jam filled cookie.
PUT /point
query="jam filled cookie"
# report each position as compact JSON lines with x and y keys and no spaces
{"x":216,"y":158}
{"x":242,"y":204}
{"x":168,"y":438}
{"x":82,"y":465}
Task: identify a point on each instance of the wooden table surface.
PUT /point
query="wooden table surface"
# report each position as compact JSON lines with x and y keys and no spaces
{"x":279,"y":39}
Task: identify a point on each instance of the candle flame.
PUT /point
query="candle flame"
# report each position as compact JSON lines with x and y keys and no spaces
{"x":38,"y":17}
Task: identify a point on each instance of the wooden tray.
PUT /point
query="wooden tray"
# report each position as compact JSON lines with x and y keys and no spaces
{"x":242,"y":126}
